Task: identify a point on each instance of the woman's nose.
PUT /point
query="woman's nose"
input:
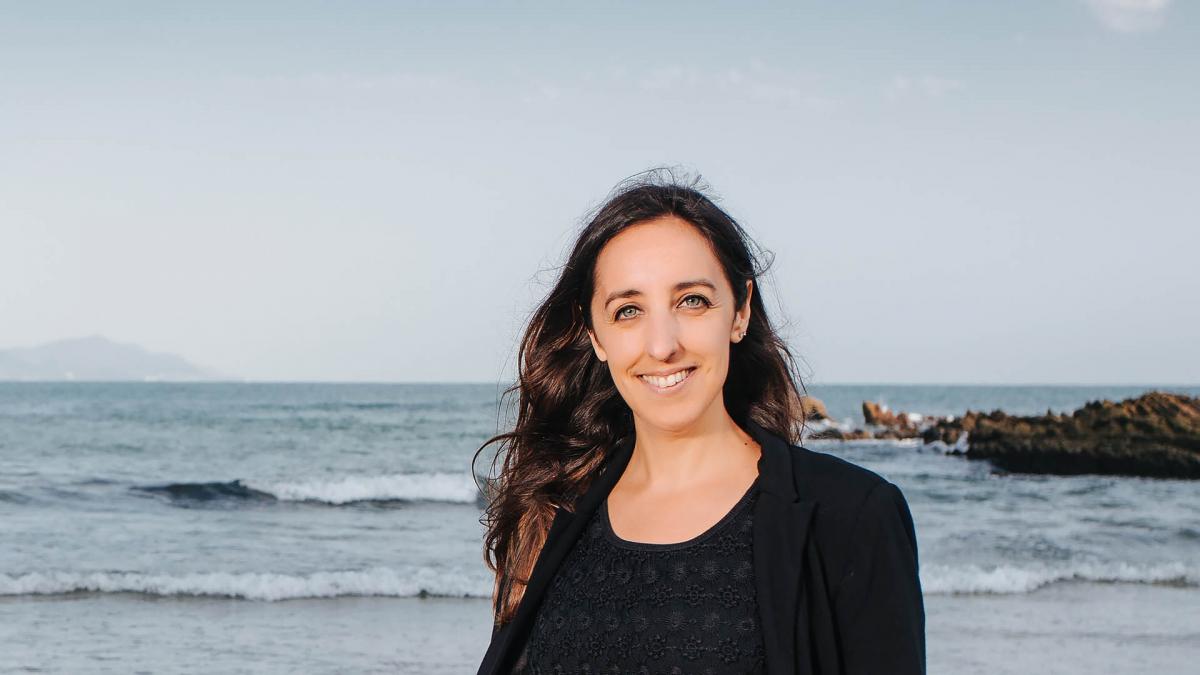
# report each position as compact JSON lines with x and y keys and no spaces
{"x":662,"y":337}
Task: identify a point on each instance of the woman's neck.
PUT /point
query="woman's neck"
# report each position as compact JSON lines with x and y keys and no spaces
{"x":668,"y":459}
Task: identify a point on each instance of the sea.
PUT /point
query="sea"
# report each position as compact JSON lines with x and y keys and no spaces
{"x":335,"y":528}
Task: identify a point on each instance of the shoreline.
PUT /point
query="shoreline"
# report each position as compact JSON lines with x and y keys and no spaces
{"x":1068,"y":627}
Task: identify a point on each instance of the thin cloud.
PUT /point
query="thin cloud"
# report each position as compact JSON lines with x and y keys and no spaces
{"x":1130,"y":16}
{"x":930,"y":86}
{"x":757,"y":83}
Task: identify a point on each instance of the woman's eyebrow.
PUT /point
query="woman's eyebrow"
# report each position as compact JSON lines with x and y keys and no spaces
{"x":633,"y":292}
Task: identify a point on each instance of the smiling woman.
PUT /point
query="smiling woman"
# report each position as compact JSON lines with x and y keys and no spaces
{"x":652,"y":512}
{"x":666,"y":329}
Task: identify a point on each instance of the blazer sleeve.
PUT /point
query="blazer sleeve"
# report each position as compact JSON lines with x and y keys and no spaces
{"x":878,"y":606}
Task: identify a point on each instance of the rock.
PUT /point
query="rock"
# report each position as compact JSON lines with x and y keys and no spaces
{"x":878,"y":414}
{"x":1154,"y":435}
{"x":895,"y":425}
{"x":813,"y":408}
{"x":880,"y":423}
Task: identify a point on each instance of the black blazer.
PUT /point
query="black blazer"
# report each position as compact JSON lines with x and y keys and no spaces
{"x":835,"y":566}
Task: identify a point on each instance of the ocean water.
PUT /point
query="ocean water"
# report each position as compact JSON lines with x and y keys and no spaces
{"x":326,"y":528}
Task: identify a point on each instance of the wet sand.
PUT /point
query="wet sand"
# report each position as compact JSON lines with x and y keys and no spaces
{"x":1065,"y":628}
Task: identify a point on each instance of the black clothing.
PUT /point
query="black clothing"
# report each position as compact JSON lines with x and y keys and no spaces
{"x":835,"y":562}
{"x":619,"y":606}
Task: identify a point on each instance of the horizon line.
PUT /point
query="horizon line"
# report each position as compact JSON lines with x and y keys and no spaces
{"x":484,"y":382}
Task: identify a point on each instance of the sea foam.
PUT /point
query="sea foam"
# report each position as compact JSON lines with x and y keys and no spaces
{"x":433,"y":487}
{"x":376,"y":581}
{"x":427,"y":581}
{"x":1010,"y":579}
{"x":408,"y":487}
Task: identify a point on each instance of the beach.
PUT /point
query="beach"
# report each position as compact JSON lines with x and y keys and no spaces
{"x":335,"y":528}
{"x":1067,"y":628}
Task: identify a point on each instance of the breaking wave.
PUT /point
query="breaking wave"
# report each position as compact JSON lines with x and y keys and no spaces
{"x":1010,"y":579}
{"x":405,"y":487}
{"x":376,"y":581}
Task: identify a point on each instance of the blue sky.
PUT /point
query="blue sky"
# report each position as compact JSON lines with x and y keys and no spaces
{"x":954,"y":192}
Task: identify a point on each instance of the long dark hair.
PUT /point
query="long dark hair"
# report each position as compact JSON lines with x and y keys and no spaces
{"x":569,"y":412}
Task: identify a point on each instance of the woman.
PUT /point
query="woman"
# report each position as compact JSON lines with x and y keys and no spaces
{"x":652,"y":514}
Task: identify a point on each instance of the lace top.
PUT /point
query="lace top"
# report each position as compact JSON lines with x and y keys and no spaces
{"x":618,"y":606}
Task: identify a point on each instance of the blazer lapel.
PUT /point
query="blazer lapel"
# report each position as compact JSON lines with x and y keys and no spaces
{"x":564,"y":530}
{"x":780,"y":532}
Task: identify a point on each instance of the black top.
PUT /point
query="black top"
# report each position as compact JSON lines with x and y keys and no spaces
{"x":618,"y":606}
{"x":835,"y":565}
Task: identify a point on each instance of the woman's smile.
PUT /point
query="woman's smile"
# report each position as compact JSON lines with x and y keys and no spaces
{"x":671,"y":383}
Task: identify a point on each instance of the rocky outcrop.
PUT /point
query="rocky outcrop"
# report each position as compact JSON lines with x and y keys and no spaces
{"x":819,"y":425}
{"x":813,"y":409}
{"x":890,"y":424}
{"x":881,"y":423}
{"x":875,"y":413}
{"x":1156,"y":435}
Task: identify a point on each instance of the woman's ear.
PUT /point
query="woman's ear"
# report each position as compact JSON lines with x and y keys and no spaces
{"x":600,"y":353}
{"x":741,"y":318}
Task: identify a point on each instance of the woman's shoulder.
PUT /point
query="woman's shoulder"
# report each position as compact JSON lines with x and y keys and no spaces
{"x":832,"y":480}
{"x":846,"y":494}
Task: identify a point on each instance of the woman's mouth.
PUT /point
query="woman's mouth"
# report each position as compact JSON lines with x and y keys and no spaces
{"x":670,"y":383}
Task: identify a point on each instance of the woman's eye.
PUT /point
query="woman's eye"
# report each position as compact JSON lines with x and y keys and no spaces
{"x":630,"y":311}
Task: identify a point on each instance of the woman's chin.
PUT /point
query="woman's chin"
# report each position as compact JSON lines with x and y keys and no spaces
{"x":670,"y":421}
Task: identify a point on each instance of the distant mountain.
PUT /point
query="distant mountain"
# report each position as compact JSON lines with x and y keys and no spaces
{"x":96,"y":358}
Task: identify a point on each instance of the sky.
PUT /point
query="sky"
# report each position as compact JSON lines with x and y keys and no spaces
{"x":381,"y":191}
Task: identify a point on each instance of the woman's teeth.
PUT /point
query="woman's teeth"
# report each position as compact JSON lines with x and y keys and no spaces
{"x":668,"y":381}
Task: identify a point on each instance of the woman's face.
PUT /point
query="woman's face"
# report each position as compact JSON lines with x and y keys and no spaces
{"x":662,"y":310}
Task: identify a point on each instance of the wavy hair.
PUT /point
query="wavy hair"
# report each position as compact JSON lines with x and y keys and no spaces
{"x":570,"y":414}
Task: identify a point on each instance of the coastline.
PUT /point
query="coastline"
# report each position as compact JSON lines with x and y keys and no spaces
{"x":1066,"y":628}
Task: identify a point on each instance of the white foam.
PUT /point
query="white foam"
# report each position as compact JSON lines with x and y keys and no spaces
{"x":436,"y":487}
{"x":1008,"y":579}
{"x":388,"y":582}
{"x":836,"y":443}
{"x":376,"y":581}
{"x":961,"y":446}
